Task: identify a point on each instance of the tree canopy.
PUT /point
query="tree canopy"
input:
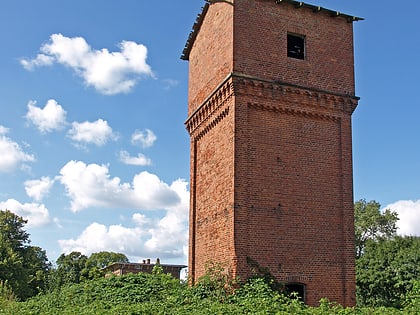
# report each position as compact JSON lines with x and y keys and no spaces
{"x":387,"y":265}
{"x":371,"y":224}
{"x":23,"y":268}
{"x":387,"y":271}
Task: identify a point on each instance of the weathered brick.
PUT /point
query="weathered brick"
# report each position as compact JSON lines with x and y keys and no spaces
{"x":271,"y":152}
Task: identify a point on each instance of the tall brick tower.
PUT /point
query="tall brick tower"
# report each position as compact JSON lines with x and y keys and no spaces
{"x":271,"y":94}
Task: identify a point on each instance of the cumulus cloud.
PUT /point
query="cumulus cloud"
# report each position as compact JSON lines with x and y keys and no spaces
{"x":39,"y":61}
{"x":51,"y":117}
{"x":36,"y":214}
{"x":108,"y":72}
{"x":145,"y":138}
{"x":12,"y":155}
{"x":169,"y":237}
{"x":165,"y":237}
{"x":139,"y":160}
{"x":97,"y":132}
{"x":92,"y":186}
{"x":409,"y":216}
{"x":38,"y":188}
{"x":97,"y":237}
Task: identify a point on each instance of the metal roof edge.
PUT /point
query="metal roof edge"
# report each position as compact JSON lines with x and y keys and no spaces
{"x":315,"y":8}
{"x":193,"y":34}
{"x":298,"y":4}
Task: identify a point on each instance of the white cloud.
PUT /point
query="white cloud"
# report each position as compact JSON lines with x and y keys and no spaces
{"x":144,"y":138}
{"x":38,"y":188}
{"x":11,"y":154}
{"x":166,"y":237}
{"x":97,"y":237}
{"x":409,"y":216}
{"x":97,"y":132}
{"x":40,"y":60}
{"x":169,"y":237}
{"x":92,"y":186}
{"x":140,"y":159}
{"x":108,"y":72}
{"x":51,"y":117}
{"x":36,"y":214}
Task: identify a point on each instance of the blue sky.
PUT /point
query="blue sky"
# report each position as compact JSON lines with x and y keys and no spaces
{"x":93,"y":99}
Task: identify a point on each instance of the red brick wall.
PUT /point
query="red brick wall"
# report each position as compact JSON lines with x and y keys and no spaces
{"x":212,"y":177}
{"x":261,"y":28}
{"x":211,"y":58}
{"x":271,"y":158}
{"x":295,"y":204}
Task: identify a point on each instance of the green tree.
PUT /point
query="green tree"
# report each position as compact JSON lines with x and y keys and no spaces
{"x":97,"y":261}
{"x":371,"y":224}
{"x":70,"y":269}
{"x":11,"y":267}
{"x":75,"y":267}
{"x":37,"y":262}
{"x":12,"y":232}
{"x":22,"y":267}
{"x":387,"y":271}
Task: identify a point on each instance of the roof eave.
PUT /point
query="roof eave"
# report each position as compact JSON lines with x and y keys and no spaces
{"x":298,"y":4}
{"x":193,"y":34}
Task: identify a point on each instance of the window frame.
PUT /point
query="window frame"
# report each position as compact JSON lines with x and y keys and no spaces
{"x":293,"y":38}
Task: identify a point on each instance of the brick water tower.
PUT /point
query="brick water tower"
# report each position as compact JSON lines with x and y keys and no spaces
{"x":271,"y":94}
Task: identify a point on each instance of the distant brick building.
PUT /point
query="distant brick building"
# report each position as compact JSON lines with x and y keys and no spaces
{"x":119,"y":269}
{"x":271,"y":94}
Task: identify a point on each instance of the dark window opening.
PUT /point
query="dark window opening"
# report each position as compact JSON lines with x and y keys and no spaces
{"x":295,"y":46}
{"x":296,"y":290}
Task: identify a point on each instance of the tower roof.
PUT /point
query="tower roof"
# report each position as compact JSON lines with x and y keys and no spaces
{"x":297,"y":4}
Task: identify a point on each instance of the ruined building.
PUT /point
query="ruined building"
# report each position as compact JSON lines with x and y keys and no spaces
{"x":271,"y":95}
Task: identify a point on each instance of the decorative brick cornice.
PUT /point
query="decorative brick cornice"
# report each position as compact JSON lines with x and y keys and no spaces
{"x":212,"y":109}
{"x":296,"y":99}
{"x":295,"y":112}
{"x":293,"y":100}
{"x":212,"y":123}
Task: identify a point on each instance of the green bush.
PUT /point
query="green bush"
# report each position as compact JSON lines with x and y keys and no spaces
{"x":159,"y":293}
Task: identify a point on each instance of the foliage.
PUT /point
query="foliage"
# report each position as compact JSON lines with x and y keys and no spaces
{"x":264,"y":273}
{"x":412,"y":301}
{"x":76,"y":267}
{"x":160,"y":293}
{"x":216,"y":284}
{"x":6,"y":295}
{"x":387,"y":271}
{"x":70,"y":269}
{"x":371,"y":224}
{"x":23,"y":267}
{"x":104,"y":296}
{"x":386,"y":265}
{"x":97,"y":261}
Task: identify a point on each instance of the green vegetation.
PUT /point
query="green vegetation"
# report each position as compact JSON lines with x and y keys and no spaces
{"x":387,"y":277}
{"x":160,"y":293}
{"x":76,"y":268}
{"x":23,"y":268}
{"x":387,"y":271}
{"x":387,"y":265}
{"x":372,"y":225}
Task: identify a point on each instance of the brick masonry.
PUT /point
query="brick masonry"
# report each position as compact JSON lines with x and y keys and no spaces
{"x":271,"y":151}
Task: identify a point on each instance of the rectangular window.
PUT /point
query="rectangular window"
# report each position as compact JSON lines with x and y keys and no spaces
{"x":296,"y":46}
